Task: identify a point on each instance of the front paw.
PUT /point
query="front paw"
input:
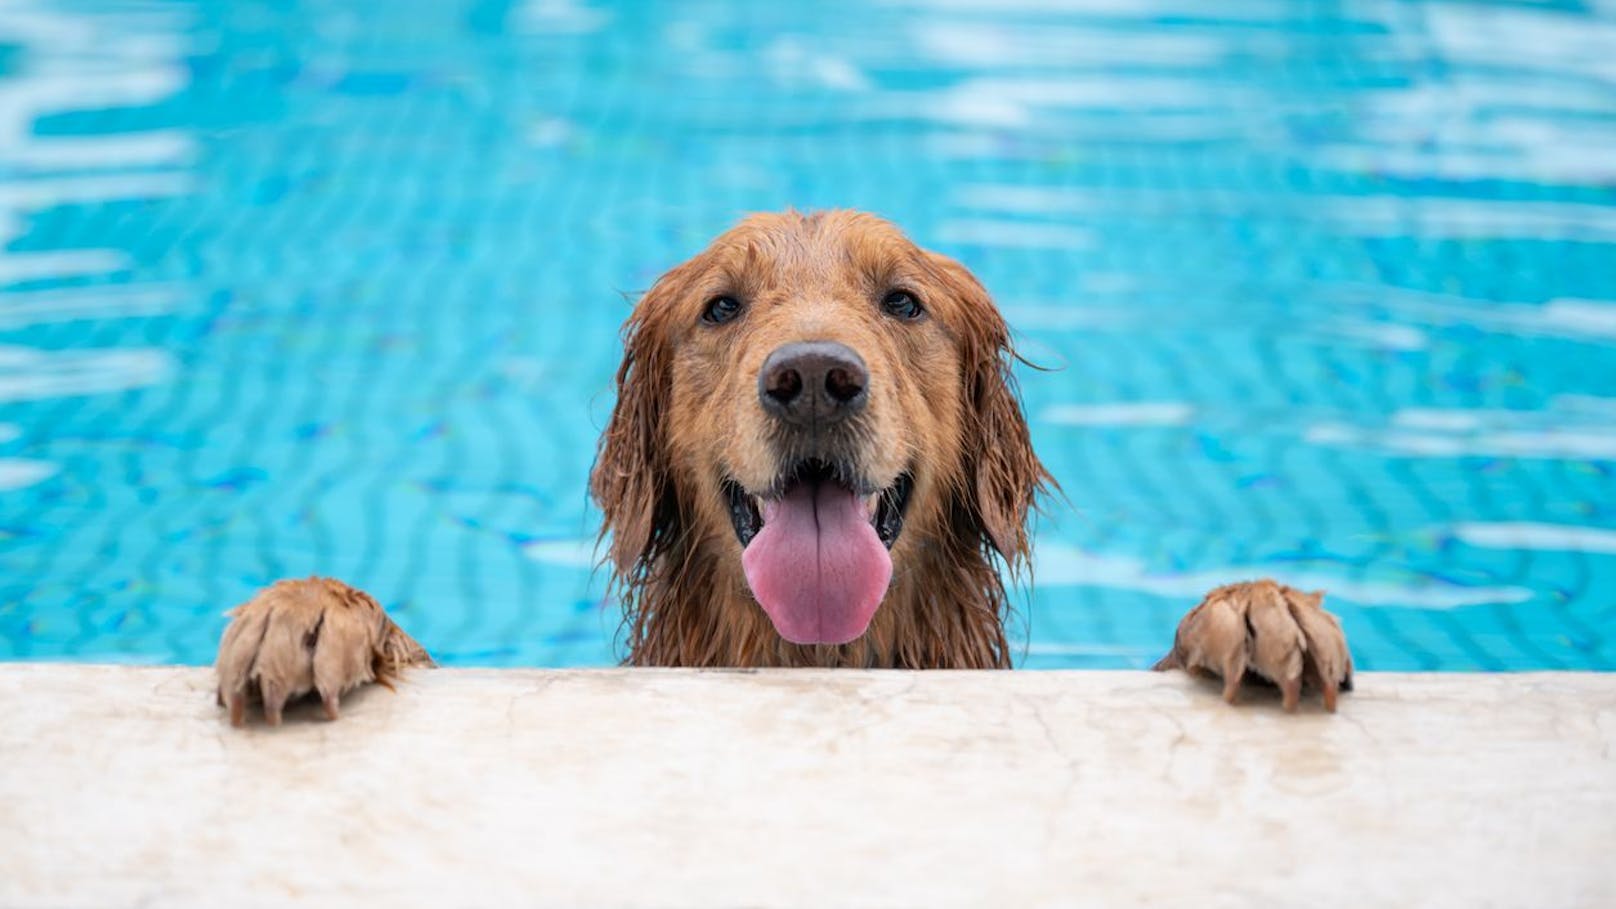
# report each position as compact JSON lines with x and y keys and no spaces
{"x":1275,"y":631}
{"x":313,"y":635}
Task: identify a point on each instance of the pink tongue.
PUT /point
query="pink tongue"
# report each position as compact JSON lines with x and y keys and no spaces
{"x":817,"y":566}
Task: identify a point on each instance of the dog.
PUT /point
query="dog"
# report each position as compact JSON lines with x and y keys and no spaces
{"x":817,"y":457}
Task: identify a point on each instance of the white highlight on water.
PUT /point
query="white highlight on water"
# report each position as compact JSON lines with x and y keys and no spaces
{"x":1122,"y":413}
{"x":1061,"y":565}
{"x":1537,"y":536}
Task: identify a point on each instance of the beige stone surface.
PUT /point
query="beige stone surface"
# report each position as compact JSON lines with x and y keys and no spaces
{"x":125,"y":786}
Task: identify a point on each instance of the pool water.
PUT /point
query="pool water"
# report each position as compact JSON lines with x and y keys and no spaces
{"x":1328,"y":292}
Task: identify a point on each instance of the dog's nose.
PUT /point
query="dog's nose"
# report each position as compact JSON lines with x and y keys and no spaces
{"x":813,"y":383}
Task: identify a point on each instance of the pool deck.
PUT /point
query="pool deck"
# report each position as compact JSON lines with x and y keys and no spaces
{"x":126,"y":786}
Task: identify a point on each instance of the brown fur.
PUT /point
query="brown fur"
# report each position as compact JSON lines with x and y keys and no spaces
{"x":942,"y":405}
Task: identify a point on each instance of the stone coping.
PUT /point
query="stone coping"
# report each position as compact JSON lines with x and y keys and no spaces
{"x":125,"y":786}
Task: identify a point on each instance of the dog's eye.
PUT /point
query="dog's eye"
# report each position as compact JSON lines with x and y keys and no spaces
{"x":901,"y":304}
{"x":721,"y":309}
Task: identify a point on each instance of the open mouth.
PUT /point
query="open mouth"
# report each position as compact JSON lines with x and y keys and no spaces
{"x":886,"y":507}
{"x":816,"y":549}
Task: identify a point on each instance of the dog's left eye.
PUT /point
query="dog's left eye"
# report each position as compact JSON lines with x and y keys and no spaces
{"x":721,"y":309}
{"x":902,"y":304}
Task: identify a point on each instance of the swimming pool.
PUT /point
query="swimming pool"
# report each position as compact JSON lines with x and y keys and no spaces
{"x":1328,"y":289}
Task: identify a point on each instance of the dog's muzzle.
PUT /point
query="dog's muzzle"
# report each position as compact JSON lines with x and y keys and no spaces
{"x":815,"y":541}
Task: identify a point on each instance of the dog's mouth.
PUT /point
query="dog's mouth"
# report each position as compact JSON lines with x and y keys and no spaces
{"x":886,"y":507}
{"x":816,"y":549}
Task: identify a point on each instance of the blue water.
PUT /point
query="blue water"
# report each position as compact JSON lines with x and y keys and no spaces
{"x":1329,"y":290}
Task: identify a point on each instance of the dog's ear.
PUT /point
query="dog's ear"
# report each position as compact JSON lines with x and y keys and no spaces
{"x":631,"y":479}
{"x":1006,"y":473}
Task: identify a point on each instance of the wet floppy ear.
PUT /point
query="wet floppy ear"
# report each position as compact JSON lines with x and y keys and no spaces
{"x":1006,"y":473}
{"x":631,"y":480}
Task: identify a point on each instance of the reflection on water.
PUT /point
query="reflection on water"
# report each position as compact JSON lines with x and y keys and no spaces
{"x":1331,"y":292}
{"x":65,"y":65}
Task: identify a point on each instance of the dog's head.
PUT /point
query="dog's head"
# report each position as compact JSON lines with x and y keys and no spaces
{"x":815,"y":402}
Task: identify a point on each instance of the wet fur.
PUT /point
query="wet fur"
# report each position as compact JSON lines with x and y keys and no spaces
{"x":943,"y":403}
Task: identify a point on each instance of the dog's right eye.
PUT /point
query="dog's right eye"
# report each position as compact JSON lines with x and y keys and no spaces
{"x":720,"y":310}
{"x":903,"y":305}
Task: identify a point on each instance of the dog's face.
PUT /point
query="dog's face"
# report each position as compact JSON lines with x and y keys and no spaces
{"x":813,"y":401}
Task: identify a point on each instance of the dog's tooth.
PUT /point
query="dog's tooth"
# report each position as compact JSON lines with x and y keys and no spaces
{"x":873,"y":505}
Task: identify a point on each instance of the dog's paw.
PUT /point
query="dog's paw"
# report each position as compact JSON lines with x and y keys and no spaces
{"x":301,"y":636}
{"x":1277,"y":632}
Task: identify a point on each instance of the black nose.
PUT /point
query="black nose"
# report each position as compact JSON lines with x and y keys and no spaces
{"x":813,"y":383}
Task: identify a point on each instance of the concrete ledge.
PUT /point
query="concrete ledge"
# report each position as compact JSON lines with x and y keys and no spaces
{"x":124,"y":786}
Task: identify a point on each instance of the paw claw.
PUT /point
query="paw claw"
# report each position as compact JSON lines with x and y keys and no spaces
{"x":1231,"y":688}
{"x":274,"y":700}
{"x":1292,"y":691}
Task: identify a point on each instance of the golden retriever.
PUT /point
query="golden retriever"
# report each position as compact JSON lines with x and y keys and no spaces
{"x":816,"y":458}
